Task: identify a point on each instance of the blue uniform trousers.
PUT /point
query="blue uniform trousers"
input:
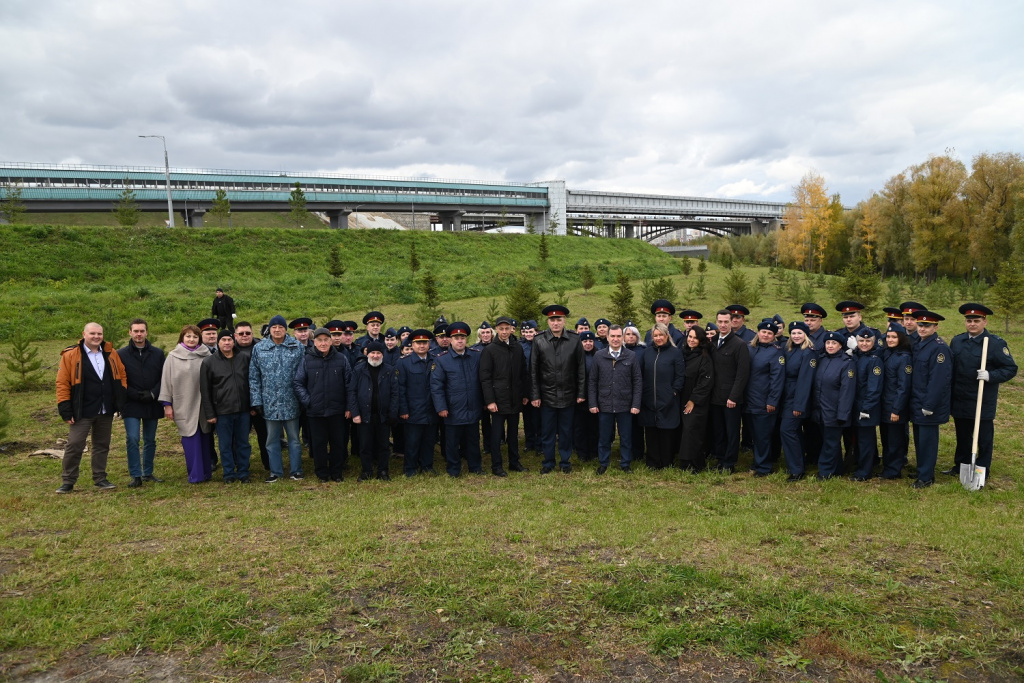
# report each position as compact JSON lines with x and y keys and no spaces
{"x":463,"y":441}
{"x":556,"y":422}
{"x":792,"y":437}
{"x":926,"y":440}
{"x":894,"y":449}
{"x":419,"y":448}
{"x":761,"y":427}
{"x":867,"y":451}
{"x":830,"y":461}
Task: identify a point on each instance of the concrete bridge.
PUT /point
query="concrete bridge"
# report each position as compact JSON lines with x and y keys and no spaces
{"x":548,"y":206}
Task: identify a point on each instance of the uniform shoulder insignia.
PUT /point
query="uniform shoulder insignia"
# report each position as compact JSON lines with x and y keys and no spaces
{"x":849,"y":374}
{"x":941,"y":358}
{"x":814,"y":362}
{"x":1006,"y":351}
{"x":782,"y":360}
{"x":877,"y":370}
{"x":909,"y":369}
{"x":432,"y":366}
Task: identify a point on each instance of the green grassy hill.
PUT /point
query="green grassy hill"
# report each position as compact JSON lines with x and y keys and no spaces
{"x":55,"y":278}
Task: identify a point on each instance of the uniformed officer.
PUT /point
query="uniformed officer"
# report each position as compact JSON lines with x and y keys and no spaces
{"x":392,"y":348}
{"x":663,"y":310}
{"x":403,"y":334}
{"x":690,"y":318}
{"x":582,"y":325}
{"x":416,"y":407}
{"x":896,"y":386}
{"x":441,"y":341}
{"x":585,"y":424}
{"x":929,"y":394}
{"x":867,"y":405}
{"x":813,"y":315}
{"x":531,"y":415}
{"x":601,"y":326}
{"x":909,"y":308}
{"x":208,"y":328}
{"x":999,"y":367}
{"x":373,"y":321}
{"x":301,"y":331}
{"x":893,"y":315}
{"x":738,"y":319}
{"x":853,"y":324}
{"x":801,"y":364}
{"x":557,"y":383}
{"x":764,"y":393}
{"x":484,"y":336}
{"x":455,"y":388}
{"x":835,"y":388}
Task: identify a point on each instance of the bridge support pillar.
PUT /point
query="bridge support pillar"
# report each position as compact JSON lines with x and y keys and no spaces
{"x":339,"y":219}
{"x":609,"y":230}
{"x":629,"y":230}
{"x":451,"y":220}
{"x":193,"y":218}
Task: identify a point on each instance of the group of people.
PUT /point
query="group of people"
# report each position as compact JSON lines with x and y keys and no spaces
{"x":688,"y":397}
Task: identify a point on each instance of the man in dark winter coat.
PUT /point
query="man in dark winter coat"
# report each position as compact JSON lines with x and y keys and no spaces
{"x":321,"y":384}
{"x":503,"y":377}
{"x":373,"y":402}
{"x":224,"y":388}
{"x":615,"y":390}
{"x":223,"y":310}
{"x":731,"y":361}
{"x":455,"y":388}
{"x":143,"y":364}
{"x":558,"y":374}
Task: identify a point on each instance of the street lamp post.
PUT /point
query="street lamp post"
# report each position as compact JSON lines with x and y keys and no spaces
{"x":167,"y":177}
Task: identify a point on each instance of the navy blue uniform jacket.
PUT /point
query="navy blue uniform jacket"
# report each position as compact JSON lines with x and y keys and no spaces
{"x":414,"y":397}
{"x":455,"y":386}
{"x":801,"y":365}
{"x":767,"y":376}
{"x":896,"y":386}
{"x":966,"y":363}
{"x":932,"y":377}
{"x":869,"y":388}
{"x":835,"y":388}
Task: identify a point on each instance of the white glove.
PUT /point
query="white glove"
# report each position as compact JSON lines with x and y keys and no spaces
{"x":851,"y":343}
{"x":983,"y":375}
{"x":926,"y":413}
{"x":849,"y":352}
{"x":233,"y":316}
{"x":864,"y":416}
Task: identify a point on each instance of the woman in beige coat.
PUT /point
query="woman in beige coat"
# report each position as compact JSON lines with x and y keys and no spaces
{"x":179,"y":393}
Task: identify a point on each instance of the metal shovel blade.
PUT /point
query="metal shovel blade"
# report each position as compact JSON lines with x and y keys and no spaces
{"x":972,"y":477}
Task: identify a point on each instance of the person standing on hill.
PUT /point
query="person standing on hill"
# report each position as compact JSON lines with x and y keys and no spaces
{"x":91,"y":387}
{"x":223,"y":310}
{"x":143,"y":364}
{"x":558,"y":373}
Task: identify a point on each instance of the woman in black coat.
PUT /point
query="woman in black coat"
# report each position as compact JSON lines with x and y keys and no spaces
{"x":695,"y":398}
{"x":664,"y":374}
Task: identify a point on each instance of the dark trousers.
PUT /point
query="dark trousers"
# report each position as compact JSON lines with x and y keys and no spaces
{"x":791,"y":434}
{"x":398,"y":438}
{"x":504,"y":427}
{"x":926,"y":440}
{"x":329,"y":445}
{"x":463,"y":442}
{"x":556,"y":423}
{"x":101,"y":426}
{"x":485,"y":430}
{"x":761,"y":428}
{"x":659,"y":447}
{"x":373,"y":447}
{"x":259,"y":425}
{"x":639,"y":443}
{"x":964,"y":436}
{"x":233,"y":436}
{"x":584,"y":432}
{"x":894,"y":448}
{"x":419,"y":448}
{"x":531,"y":428}
{"x":812,"y":442}
{"x":830,"y":460}
{"x":725,"y":432}
{"x":607,"y":424}
{"x":867,"y":452}
{"x":851,"y":449}
{"x":691,"y":445}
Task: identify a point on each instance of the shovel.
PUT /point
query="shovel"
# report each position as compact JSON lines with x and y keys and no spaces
{"x":971,"y":476}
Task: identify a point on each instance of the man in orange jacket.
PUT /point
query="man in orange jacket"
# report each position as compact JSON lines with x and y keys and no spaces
{"x":91,"y":387}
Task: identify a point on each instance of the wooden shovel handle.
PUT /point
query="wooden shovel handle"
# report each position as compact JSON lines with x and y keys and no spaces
{"x":977,"y":408}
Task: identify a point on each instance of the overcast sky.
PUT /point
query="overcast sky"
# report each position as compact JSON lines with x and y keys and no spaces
{"x":735,"y":99}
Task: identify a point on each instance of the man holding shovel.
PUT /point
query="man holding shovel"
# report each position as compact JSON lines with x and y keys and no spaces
{"x":967,"y":373}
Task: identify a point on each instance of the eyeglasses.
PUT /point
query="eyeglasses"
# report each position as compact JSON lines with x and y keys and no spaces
{"x":244,"y":334}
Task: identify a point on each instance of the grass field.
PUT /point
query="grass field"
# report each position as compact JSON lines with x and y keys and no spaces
{"x":655,"y":576}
